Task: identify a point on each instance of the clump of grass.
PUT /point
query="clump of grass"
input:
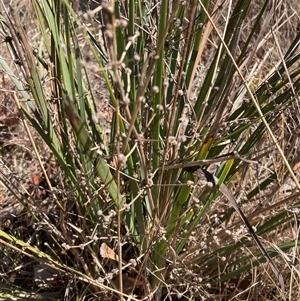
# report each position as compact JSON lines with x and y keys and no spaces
{"x":186,"y":88}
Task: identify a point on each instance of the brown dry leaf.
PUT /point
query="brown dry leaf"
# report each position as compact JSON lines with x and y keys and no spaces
{"x":129,"y":283}
{"x":107,"y":252}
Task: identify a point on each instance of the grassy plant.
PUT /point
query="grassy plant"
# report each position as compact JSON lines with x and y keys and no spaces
{"x":185,"y":84}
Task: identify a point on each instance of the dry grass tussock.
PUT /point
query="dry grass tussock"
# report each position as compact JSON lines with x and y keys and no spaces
{"x":36,"y":219}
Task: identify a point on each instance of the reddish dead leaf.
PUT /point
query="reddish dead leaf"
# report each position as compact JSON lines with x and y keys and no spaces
{"x":296,"y":168}
{"x":3,"y":199}
{"x":9,"y":118}
{"x":9,"y":121}
{"x":36,"y":180}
